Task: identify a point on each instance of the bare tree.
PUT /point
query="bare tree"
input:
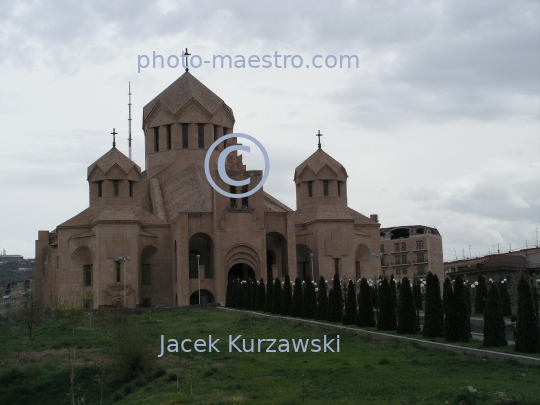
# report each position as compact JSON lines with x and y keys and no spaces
{"x":32,"y":310}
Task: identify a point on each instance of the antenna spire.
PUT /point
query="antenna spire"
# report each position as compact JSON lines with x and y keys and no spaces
{"x":114,"y":133}
{"x":129,"y":119}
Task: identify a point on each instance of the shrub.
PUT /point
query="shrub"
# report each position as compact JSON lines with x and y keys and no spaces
{"x":433,"y":316}
{"x":309,"y":306}
{"x":322,"y":301}
{"x":527,"y":334}
{"x":335,"y":305}
{"x":350,"y":305}
{"x":276,"y":302}
{"x":505,"y":299}
{"x":261,"y":296}
{"x":407,"y":321}
{"x":456,"y":328}
{"x":481,"y":295}
{"x":287,"y":296}
{"x":298,"y":298}
{"x":365,"y":317}
{"x":494,"y":327}
{"x":387,"y":313}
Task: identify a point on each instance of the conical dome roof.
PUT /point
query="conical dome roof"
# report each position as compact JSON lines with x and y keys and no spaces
{"x":111,"y":158}
{"x":317,"y":161}
{"x":180,"y":92}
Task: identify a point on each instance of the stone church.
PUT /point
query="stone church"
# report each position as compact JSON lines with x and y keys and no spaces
{"x":178,"y":232}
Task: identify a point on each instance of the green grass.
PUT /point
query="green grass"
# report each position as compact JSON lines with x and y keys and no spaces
{"x":364,"y":372}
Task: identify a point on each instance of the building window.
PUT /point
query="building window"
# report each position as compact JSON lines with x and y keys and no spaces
{"x":404,"y":259}
{"x":357,"y":270}
{"x":200,"y":132}
{"x":398,"y":259}
{"x":382,"y":248}
{"x":118,"y":273}
{"x":396,"y":247}
{"x":325,"y":188}
{"x":156,"y":139}
{"x":225,"y":141}
{"x":130,"y":188}
{"x":310,"y":188}
{"x":169,"y":137}
{"x":421,"y":271}
{"x":383,"y":261}
{"x":99,"y":188}
{"x":215,"y":133}
{"x":339,"y":188}
{"x":420,"y":257}
{"x":398,"y":272}
{"x":404,"y":271}
{"x":403,"y":247}
{"x":145,"y":269}
{"x":419,"y":245}
{"x":115,"y":188}
{"x":232,"y":190}
{"x":185,"y":142}
{"x":245,"y":200}
{"x":336,"y":266}
{"x":87,"y":272}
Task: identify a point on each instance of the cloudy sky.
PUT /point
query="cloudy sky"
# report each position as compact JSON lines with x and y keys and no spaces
{"x":438,"y":125}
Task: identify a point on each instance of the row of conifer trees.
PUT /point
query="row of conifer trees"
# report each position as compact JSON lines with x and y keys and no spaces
{"x":447,"y":316}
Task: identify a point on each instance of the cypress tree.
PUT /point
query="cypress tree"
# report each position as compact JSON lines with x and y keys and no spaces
{"x":407,"y":321}
{"x":298,"y":298}
{"x":494,"y":327}
{"x":434,"y":314}
{"x":278,"y":298}
{"x":322,"y":301}
{"x":335,"y":308}
{"x":417,"y":293}
{"x":447,"y":283}
{"x":505,"y":298}
{"x":481,"y":295}
{"x":387,"y":312}
{"x":247,"y":303}
{"x":394,"y":289}
{"x":310,"y":300}
{"x":243,"y":294}
{"x":287,"y":296}
{"x":365,"y":317}
{"x":527,"y":334}
{"x":261,"y":296}
{"x":269,"y":295}
{"x":456,"y":318}
{"x":330,"y":293}
{"x":468,"y":299}
{"x":350,"y":305}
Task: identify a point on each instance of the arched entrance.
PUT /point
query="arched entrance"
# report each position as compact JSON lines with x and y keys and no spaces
{"x":362,"y":260}
{"x":117,"y":302}
{"x":201,"y":244}
{"x":304,"y":260}
{"x":276,"y":253}
{"x":241,"y":271}
{"x":206,"y":297}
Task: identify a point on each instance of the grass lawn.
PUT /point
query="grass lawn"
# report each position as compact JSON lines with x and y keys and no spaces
{"x":363,"y":372}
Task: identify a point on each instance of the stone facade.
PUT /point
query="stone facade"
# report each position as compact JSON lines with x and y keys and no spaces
{"x":177,"y":231}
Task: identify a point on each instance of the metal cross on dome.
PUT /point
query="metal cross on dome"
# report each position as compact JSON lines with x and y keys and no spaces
{"x":114,"y":133}
{"x":319,"y":135}
{"x":186,"y":54}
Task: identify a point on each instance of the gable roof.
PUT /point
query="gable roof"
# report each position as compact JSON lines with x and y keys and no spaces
{"x":111,"y":158}
{"x":181,"y":91}
{"x":317,"y":161}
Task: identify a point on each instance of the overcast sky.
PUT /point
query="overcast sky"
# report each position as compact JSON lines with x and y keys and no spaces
{"x":439,"y":125}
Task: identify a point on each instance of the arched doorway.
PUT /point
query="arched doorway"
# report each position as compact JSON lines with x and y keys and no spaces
{"x":117,"y":302}
{"x":241,"y":271}
{"x":362,"y":258}
{"x":206,"y":297}
{"x":201,"y":244}
{"x":244,"y":255}
{"x":277,"y":245}
{"x":304,"y":260}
